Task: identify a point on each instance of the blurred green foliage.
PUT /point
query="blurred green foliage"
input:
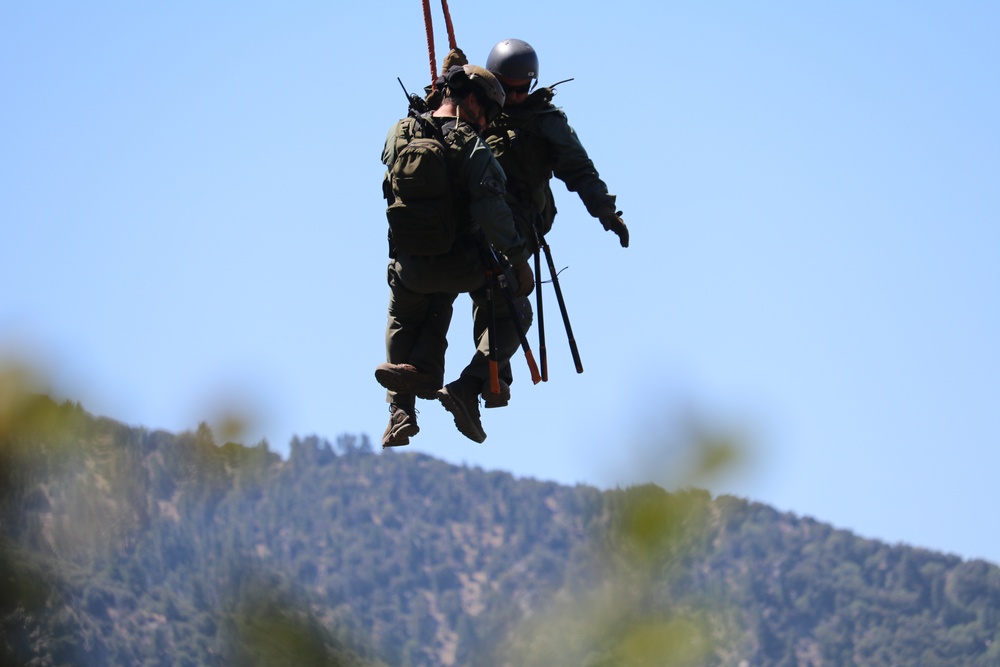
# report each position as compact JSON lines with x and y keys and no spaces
{"x":124,"y":546}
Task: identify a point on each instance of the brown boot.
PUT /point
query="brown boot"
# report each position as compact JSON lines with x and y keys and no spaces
{"x":464,"y":407}
{"x":406,"y":379}
{"x":491,"y":400}
{"x":402,"y":424}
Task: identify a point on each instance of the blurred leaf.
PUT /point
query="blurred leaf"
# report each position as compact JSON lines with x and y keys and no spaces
{"x":674,"y":642}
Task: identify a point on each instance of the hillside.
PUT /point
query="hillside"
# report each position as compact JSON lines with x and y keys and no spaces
{"x":123,"y":546}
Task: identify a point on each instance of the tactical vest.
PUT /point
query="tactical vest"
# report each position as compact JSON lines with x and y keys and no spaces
{"x":428,"y":209}
{"x":524,"y":156}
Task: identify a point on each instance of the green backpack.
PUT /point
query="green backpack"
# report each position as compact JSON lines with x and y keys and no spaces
{"x":422,"y":216}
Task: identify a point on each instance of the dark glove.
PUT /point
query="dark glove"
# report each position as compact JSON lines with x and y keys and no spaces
{"x":525,"y":279}
{"x":613,"y":223}
{"x":454,"y":58}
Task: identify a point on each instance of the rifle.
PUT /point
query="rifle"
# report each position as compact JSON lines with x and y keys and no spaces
{"x":496,"y":276}
{"x":491,"y":333}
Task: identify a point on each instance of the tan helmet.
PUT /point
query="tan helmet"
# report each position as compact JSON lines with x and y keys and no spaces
{"x":483,"y":84}
{"x":486,"y":82}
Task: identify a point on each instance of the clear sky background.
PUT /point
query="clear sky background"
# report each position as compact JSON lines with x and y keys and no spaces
{"x":191,"y":221}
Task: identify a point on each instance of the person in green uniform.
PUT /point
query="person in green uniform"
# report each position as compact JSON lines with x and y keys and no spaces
{"x":533,"y":142}
{"x":423,"y":284}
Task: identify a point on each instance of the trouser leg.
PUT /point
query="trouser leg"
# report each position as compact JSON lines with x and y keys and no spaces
{"x":476,"y":374}
{"x":416,"y":331}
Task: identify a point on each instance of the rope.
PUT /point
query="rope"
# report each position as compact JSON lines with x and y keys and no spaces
{"x":429,"y":28}
{"x":447,"y":21}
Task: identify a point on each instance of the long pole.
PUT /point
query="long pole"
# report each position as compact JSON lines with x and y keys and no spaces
{"x":562,"y":304}
{"x":542,"y":357}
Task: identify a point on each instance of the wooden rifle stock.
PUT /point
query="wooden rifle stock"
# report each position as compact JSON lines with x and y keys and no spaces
{"x":492,"y":325}
{"x":499,"y":277}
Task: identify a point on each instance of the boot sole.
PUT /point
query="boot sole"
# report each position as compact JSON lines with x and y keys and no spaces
{"x":463,"y":420}
{"x":403,"y":383}
{"x":400,"y":436}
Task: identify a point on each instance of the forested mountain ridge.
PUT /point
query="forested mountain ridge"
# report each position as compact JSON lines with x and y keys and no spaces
{"x":123,"y":546}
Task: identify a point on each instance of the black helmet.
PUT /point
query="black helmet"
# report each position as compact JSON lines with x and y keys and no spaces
{"x":483,"y":84}
{"x":513,"y":59}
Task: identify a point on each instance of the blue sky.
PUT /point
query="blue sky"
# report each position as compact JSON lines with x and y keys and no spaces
{"x":191,"y":222}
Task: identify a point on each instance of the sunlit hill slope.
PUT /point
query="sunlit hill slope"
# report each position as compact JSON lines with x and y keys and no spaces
{"x":124,"y":546}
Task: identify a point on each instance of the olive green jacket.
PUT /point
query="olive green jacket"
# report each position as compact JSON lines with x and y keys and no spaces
{"x":535,"y":142}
